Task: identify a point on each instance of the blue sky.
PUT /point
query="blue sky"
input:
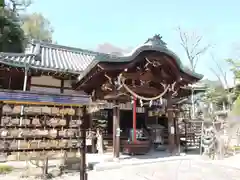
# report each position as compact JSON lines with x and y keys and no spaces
{"x":127,"y":23}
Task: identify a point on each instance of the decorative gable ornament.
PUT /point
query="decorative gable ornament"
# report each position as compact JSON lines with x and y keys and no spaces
{"x":156,"y":40}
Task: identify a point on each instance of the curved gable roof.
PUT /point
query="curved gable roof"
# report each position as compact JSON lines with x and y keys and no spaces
{"x":153,"y":44}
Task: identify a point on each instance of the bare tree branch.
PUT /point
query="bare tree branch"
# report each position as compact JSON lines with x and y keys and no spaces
{"x":191,"y":44}
{"x":20,"y":5}
{"x":221,"y":73}
{"x":218,"y":76}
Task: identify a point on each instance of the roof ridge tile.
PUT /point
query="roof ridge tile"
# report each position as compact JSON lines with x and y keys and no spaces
{"x":65,"y":48}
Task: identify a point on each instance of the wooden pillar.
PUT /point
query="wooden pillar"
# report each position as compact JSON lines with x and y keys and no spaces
{"x":1,"y":110}
{"x":62,"y":86}
{"x":67,"y":122}
{"x":29,"y":83}
{"x":171,"y":129}
{"x":177,"y":135}
{"x":118,"y":133}
{"x":186,"y":135}
{"x":116,"y":130}
{"x":135,"y":120}
{"x":146,"y":109}
{"x":94,"y":145}
{"x":83,"y":174}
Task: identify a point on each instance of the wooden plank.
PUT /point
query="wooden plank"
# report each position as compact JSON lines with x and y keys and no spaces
{"x":20,"y":97}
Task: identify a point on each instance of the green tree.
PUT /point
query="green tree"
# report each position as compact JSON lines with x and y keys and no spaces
{"x":220,"y":95}
{"x":36,"y":26}
{"x":11,"y":34}
{"x":235,"y":68}
{"x":2,"y":3}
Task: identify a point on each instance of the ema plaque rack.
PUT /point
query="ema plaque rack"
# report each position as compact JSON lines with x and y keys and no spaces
{"x":42,"y":125}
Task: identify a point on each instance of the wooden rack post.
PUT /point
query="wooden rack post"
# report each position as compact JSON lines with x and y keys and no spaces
{"x":116,"y":130}
{"x":83,"y":174}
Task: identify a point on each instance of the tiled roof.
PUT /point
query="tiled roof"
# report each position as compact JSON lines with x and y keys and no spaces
{"x":64,"y":59}
{"x":51,"y":57}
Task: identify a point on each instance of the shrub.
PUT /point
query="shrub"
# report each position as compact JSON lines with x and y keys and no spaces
{"x":4,"y":169}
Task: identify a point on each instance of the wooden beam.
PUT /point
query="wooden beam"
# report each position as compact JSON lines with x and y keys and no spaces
{"x":154,"y":75}
{"x":144,"y":76}
{"x":121,"y":97}
{"x":145,"y":90}
{"x":165,"y":60}
{"x":117,"y":66}
{"x":187,"y":78}
{"x":47,"y":86}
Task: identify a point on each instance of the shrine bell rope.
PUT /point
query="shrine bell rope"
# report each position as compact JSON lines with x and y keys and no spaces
{"x":121,"y":82}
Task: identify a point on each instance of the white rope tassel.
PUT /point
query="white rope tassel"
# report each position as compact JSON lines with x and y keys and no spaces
{"x":161,"y":101}
{"x":150,"y":103}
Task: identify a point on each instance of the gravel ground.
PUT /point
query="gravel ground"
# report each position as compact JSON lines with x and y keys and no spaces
{"x":172,"y":170}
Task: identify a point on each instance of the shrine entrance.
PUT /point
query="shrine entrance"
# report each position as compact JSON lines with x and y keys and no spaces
{"x":151,"y":73}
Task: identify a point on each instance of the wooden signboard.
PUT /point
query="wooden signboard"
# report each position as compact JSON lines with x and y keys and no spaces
{"x":20,"y":97}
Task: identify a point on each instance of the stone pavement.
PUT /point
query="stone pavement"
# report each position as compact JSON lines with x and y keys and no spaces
{"x":169,"y":170}
{"x":157,"y":167}
{"x":140,"y":160}
{"x":106,"y":161}
{"x":233,"y":161}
